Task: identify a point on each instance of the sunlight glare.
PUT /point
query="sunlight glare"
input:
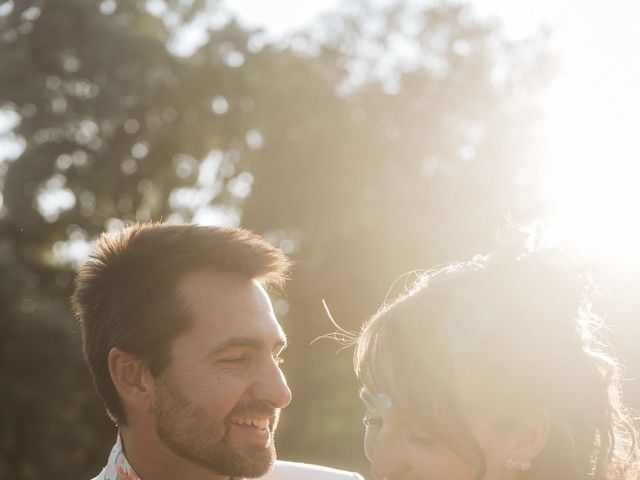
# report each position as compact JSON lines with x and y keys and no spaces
{"x":594,"y":181}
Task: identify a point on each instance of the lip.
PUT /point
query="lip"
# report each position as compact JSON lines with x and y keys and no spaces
{"x":252,"y":434}
{"x":257,"y":421}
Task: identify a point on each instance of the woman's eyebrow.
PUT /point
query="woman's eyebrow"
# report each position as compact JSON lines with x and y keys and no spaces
{"x":367,"y":397}
{"x":379,"y":401}
{"x":281,"y":345}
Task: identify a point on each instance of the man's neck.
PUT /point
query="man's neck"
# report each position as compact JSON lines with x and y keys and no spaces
{"x":152,"y":460}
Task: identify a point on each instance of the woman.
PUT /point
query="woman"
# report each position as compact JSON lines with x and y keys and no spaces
{"x":494,"y":369}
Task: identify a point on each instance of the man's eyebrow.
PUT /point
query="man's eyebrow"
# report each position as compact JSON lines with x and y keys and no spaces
{"x":246,"y":342}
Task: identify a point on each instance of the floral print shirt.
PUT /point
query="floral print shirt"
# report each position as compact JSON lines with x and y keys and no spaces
{"x":118,"y":467}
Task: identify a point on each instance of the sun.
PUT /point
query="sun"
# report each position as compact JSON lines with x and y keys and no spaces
{"x":594,"y":183}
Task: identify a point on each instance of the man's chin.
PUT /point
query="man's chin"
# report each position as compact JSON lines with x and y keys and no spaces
{"x":249,"y":457}
{"x":251,"y":468}
{"x":232,"y":459}
{"x":258,"y":470}
{"x":256,"y":462}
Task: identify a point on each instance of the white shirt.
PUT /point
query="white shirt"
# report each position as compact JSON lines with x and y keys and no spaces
{"x":302,"y":471}
{"x":118,"y":468}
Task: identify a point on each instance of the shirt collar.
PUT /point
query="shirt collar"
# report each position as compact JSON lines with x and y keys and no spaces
{"x":118,"y":467}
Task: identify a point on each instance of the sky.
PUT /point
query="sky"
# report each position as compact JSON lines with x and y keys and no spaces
{"x":592,"y":109}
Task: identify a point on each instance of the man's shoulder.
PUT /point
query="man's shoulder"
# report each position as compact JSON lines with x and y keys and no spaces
{"x":283,"y":470}
{"x":100,"y":476}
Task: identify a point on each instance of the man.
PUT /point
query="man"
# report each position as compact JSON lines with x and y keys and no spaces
{"x":184,"y":348}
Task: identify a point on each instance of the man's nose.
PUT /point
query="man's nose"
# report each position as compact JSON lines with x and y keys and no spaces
{"x":271,"y":386}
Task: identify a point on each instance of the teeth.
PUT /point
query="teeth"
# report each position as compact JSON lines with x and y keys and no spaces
{"x":252,"y":422}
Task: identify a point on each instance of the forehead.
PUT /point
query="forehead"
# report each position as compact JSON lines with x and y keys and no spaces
{"x":227,"y":305}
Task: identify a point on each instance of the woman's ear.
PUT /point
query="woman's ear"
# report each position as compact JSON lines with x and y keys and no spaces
{"x":131,"y":379}
{"x":529,"y":437}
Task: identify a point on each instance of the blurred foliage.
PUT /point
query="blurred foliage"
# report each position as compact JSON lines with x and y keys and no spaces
{"x":383,"y":140}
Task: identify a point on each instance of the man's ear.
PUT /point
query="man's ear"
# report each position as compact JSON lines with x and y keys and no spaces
{"x":131,"y":379}
{"x":530,"y":436}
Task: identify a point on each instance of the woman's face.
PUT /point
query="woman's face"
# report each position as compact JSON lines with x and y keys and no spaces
{"x":398,"y":450}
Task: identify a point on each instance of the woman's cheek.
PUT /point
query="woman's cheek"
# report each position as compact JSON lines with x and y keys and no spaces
{"x":369,"y":443}
{"x":438,"y":461}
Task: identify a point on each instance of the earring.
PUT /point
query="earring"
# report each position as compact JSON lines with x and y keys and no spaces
{"x":513,"y":464}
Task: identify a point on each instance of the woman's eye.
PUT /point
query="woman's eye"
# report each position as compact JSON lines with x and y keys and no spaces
{"x":238,"y":359}
{"x":417,"y":438}
{"x":371,"y":420}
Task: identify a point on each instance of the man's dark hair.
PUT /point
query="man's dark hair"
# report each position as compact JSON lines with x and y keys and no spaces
{"x":126,"y":293}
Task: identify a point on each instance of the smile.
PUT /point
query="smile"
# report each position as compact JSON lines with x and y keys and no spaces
{"x":259,"y":423}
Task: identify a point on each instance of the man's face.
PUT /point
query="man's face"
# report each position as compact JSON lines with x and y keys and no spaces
{"x":217,"y":403}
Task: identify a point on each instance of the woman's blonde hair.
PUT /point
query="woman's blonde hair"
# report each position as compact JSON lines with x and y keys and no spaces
{"x":523,"y":323}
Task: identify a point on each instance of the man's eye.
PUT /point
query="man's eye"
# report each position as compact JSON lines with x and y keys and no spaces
{"x":371,"y":420}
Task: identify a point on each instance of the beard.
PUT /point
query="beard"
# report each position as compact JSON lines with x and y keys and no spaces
{"x":189,"y":432}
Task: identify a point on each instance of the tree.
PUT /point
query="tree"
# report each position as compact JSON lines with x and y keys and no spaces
{"x":416,"y":162}
{"x":360,"y":164}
